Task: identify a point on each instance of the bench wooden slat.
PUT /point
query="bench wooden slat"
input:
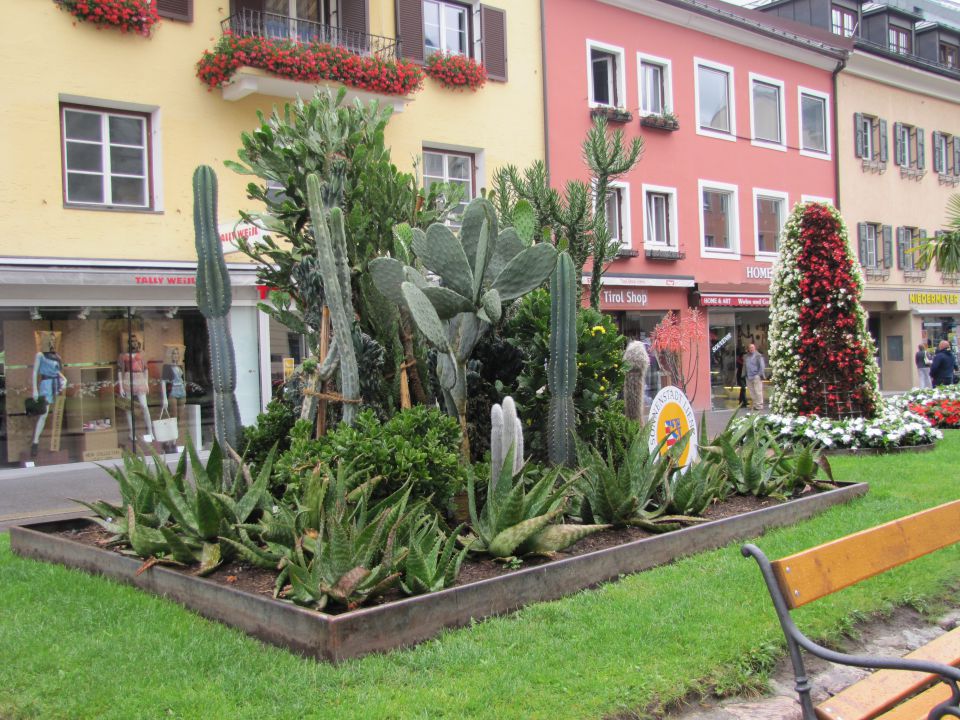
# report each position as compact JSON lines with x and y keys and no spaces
{"x":918,"y":708}
{"x":882,"y":690}
{"x":814,"y":573}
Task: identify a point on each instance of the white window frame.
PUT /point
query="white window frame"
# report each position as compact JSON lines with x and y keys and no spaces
{"x":619,"y":82}
{"x":626,"y":241}
{"x":946,"y":158}
{"x":907,"y":134}
{"x":731,"y":99}
{"x":152,"y":150}
{"x":816,"y":198}
{"x":733,"y":253}
{"x":781,"y":111}
{"x":773,"y":195}
{"x":467,"y":8}
{"x":666,"y":76}
{"x":474,"y":154}
{"x":821,"y":155}
{"x":876,"y":244}
{"x":672,"y":218}
{"x":843,"y":13}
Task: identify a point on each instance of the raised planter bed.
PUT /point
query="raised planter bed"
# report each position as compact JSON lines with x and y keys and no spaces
{"x":411,"y":620}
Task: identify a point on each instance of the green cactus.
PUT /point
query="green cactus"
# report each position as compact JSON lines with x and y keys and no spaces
{"x":213,"y":300}
{"x":480,"y":270}
{"x":637,"y":362}
{"x":332,"y":263}
{"x":562,"y":369}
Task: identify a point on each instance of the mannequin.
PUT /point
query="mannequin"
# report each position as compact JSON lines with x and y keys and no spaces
{"x":173,"y":386}
{"x":48,"y":378}
{"x":132,"y":371}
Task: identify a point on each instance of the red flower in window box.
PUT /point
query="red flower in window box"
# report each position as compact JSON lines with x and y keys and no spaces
{"x":308,"y":62}
{"x":456,"y":71}
{"x":137,"y":16}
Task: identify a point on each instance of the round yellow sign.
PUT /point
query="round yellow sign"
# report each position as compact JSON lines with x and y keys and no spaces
{"x":672,"y":419}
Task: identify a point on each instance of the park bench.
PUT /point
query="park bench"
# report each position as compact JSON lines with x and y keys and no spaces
{"x":921,"y":685}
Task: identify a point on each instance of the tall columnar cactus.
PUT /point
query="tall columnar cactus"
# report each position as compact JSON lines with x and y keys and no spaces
{"x":562,"y":369}
{"x":636,"y":362}
{"x":479,"y":270}
{"x":213,"y":300}
{"x":332,"y":262}
{"x":506,"y":433}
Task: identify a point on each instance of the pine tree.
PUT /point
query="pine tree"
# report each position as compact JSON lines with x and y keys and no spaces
{"x":821,"y":355}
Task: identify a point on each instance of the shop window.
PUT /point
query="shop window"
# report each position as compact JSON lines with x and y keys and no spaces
{"x":660,"y":217}
{"x":766,"y":112}
{"x":770,"y":208}
{"x":446,"y":28}
{"x":106,"y":158}
{"x":870,"y":134}
{"x":715,"y":109}
{"x":844,"y":21}
{"x":949,"y":55}
{"x":899,"y":40}
{"x":909,"y":149}
{"x":814,"y":123}
{"x":452,"y":168}
{"x":656,"y":85}
{"x":719,"y":220}
{"x":908,"y":240}
{"x":605,"y":70}
{"x":875,"y":246}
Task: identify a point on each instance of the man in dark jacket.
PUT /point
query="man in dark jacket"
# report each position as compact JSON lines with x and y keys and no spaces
{"x":943,"y":365}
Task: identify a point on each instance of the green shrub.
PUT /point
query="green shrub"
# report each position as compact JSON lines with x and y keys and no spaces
{"x":599,"y":367}
{"x":272,"y":427}
{"x":420,"y":445}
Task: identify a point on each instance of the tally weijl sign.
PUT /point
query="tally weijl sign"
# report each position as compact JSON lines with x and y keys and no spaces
{"x":231,"y":232}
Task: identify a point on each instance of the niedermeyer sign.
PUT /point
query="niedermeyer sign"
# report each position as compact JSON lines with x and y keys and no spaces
{"x":716,"y":300}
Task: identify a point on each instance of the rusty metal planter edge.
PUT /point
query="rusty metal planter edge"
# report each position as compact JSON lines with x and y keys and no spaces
{"x":415,"y":619}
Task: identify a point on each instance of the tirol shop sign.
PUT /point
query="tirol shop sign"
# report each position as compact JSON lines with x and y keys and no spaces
{"x":673,"y":418}
{"x":635,"y":298}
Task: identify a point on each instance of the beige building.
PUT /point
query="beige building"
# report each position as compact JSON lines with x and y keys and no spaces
{"x":102,"y":133}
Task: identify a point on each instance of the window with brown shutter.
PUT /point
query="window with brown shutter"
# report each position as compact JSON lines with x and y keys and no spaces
{"x":176,"y":9}
{"x":410,"y":29}
{"x":493,"y":38}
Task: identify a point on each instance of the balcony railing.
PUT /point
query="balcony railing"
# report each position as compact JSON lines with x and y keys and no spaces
{"x":254,"y":23}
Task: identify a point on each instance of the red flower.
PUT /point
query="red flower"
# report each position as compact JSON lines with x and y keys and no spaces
{"x":456,"y":71}
{"x":137,"y":16}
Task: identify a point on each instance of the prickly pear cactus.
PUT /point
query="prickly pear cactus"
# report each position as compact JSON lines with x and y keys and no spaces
{"x":213,"y":300}
{"x":636,"y":362}
{"x":562,"y":369}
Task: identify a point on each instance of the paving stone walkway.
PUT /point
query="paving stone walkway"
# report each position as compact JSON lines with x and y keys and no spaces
{"x":905,"y":630}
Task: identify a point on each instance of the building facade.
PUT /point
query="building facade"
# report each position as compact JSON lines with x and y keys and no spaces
{"x":898,"y":159}
{"x":737,"y":115}
{"x":97,"y":308}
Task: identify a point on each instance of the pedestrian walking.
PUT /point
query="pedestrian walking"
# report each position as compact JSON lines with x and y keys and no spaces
{"x":922,"y":361}
{"x":741,"y":378}
{"x":754,"y":368}
{"x":944,"y":365}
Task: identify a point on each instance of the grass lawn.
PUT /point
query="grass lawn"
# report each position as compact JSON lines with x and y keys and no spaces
{"x":75,"y":646}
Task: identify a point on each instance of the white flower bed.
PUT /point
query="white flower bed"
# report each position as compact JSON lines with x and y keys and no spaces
{"x":917,"y":397}
{"x":894,"y":427}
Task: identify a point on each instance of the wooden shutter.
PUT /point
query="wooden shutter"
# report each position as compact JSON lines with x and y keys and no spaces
{"x":859,"y":136}
{"x":936,"y":153}
{"x":493,"y":41}
{"x":899,"y":156}
{"x":901,"y":248}
{"x":887,"y":246}
{"x":410,"y":29}
{"x":353,"y":19}
{"x":883,"y":140}
{"x":921,"y":150}
{"x":176,"y":9}
{"x":862,"y":237}
{"x":956,"y":155}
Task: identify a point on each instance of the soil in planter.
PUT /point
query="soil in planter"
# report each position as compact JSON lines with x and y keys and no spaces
{"x":259,"y":581}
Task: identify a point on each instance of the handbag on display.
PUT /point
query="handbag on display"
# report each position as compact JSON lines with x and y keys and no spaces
{"x":35,"y":407}
{"x":165,"y":428}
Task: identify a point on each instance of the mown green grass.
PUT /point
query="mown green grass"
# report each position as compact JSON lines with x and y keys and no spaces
{"x":75,"y":646}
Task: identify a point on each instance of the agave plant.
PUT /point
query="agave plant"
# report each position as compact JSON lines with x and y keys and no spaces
{"x":800,"y":467}
{"x":688,"y":494}
{"x":752,"y":467}
{"x":433,"y":561}
{"x":516,"y":521}
{"x":623,"y":495}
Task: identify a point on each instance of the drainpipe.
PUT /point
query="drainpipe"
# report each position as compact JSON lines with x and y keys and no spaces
{"x":836,"y":133}
{"x":543,"y":75}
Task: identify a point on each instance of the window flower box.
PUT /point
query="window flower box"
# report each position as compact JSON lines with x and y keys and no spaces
{"x":612,"y":114}
{"x":455,"y":71}
{"x":667,"y":121}
{"x":664,"y":254}
{"x":138,"y":16}
{"x":626,"y":252}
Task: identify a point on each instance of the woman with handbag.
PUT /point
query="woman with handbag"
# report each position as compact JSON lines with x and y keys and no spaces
{"x":173,"y":391}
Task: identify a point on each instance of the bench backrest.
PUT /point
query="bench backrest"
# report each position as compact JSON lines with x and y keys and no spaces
{"x":819,"y":571}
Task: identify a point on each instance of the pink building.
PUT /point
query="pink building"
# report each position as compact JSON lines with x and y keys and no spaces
{"x":736,"y":110}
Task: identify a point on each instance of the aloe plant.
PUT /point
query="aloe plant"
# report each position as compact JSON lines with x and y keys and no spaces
{"x":479,"y":270}
{"x":433,"y":560}
{"x":751,"y":467}
{"x":690,"y":493}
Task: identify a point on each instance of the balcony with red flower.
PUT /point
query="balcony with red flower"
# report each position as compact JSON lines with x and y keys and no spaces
{"x":284,"y":56}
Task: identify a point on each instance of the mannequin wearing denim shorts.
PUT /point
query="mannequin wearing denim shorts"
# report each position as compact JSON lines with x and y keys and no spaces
{"x":48,"y":381}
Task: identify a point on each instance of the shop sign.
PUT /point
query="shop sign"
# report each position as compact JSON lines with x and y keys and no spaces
{"x":165,"y":279}
{"x":231,"y":232}
{"x":624,"y":297}
{"x":929,"y":298}
{"x":713,"y":300}
{"x":106,"y":454}
{"x":759,"y":272}
{"x":673,"y":418}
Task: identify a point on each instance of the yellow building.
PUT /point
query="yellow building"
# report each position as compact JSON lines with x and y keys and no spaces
{"x":102,"y":133}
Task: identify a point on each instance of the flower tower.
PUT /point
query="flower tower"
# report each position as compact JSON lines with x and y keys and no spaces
{"x":821,"y":355}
